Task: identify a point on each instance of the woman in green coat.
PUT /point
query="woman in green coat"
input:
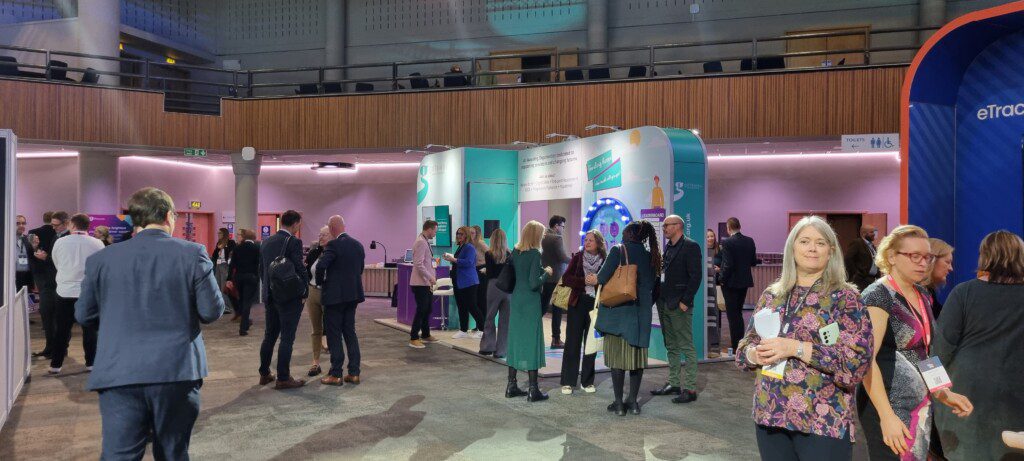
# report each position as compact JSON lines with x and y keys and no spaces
{"x":627,"y":328}
{"x":525,"y":329}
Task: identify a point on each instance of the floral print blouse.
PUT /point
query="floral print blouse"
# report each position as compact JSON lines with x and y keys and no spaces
{"x":817,"y":397}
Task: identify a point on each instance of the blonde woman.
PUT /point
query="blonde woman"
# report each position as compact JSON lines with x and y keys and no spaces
{"x":466,"y":282}
{"x":495,"y":341}
{"x":525,"y":329}
{"x":941,"y":266}
{"x":313,"y":305}
{"x":103,"y":234}
{"x":895,"y":405}
{"x":805,"y":411}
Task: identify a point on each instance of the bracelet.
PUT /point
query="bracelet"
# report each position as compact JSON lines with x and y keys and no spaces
{"x":800,"y":350}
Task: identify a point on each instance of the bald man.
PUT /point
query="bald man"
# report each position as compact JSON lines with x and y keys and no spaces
{"x":340,"y":273}
{"x":682,"y":271}
{"x":860,"y":258}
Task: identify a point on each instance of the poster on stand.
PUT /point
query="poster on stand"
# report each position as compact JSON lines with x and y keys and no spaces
{"x":119,"y":225}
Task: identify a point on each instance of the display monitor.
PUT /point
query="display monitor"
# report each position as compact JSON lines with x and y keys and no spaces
{"x":408,"y":255}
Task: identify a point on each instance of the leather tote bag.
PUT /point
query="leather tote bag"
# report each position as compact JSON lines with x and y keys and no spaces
{"x":621,"y":287}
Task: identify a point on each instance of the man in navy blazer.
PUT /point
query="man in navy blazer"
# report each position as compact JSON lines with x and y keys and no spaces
{"x":340,"y":273}
{"x":282,"y":314}
{"x":739,"y":254}
{"x":148,"y":297}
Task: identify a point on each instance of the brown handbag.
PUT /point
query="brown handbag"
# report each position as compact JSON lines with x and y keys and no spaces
{"x":621,"y":287}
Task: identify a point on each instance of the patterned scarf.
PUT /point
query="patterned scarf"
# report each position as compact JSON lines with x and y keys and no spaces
{"x":591,"y":265}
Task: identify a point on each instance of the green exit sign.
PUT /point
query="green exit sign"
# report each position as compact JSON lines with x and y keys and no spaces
{"x":193,"y":152}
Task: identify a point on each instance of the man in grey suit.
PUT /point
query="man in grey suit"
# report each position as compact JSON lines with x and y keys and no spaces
{"x":282,"y":314}
{"x":340,"y":273}
{"x":148,"y":297}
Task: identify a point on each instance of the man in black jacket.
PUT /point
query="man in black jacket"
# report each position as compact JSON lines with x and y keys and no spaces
{"x":682,"y":272}
{"x":282,"y":314}
{"x":860,"y":258}
{"x":738,"y":255}
{"x":340,"y":272}
{"x":44,"y":275}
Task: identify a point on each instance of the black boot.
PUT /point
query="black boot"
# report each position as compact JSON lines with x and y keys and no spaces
{"x":618,"y":380}
{"x":513,"y":390}
{"x":535,"y":395}
{"x":635,"y":376}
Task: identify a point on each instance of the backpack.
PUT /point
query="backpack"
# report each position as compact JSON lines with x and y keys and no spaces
{"x":285,"y":284}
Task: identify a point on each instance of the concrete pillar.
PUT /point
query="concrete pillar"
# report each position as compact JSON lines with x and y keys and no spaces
{"x":247,"y":178}
{"x":98,"y":183}
{"x":335,"y":23}
{"x":99,"y":32}
{"x":930,"y":13}
{"x":597,"y":30}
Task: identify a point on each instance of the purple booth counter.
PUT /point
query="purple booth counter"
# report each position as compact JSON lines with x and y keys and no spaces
{"x":406,"y":302}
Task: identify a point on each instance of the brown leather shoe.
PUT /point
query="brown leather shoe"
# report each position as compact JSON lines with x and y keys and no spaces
{"x":267,"y":379}
{"x":428,"y":339}
{"x":331,"y":381}
{"x":290,"y":384}
{"x":351,"y":379}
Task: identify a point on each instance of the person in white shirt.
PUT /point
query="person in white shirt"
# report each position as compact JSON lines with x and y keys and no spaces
{"x":69,"y":255}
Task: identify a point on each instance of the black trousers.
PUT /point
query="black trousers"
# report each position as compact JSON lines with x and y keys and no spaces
{"x":465,"y":300}
{"x":734,"y":311}
{"x":133,"y":415}
{"x":47,"y":307}
{"x":282,"y":321}
{"x":22,"y":279}
{"x":777,"y":444}
{"x":64,"y":320}
{"x":424,"y":305}
{"x":481,"y":299}
{"x":248,"y":286}
{"x":340,"y":326}
{"x":577,"y":325}
{"x":556,"y":313}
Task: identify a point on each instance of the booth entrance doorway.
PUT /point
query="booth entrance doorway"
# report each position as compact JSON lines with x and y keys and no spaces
{"x":195,"y":226}
{"x":847,"y":224}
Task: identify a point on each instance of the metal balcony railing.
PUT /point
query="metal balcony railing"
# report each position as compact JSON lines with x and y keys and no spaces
{"x":199,"y":89}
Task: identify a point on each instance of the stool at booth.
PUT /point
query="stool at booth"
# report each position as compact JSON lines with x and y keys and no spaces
{"x":443,"y":288}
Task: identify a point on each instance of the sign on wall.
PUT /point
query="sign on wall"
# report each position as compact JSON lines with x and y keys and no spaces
{"x":551,"y":172}
{"x":440,"y":184}
{"x":118,"y":225}
{"x":874,"y":142}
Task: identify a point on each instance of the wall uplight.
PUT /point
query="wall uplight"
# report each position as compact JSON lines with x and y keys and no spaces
{"x":171,"y":60}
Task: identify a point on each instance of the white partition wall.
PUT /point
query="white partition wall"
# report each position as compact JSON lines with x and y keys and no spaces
{"x":14,"y":342}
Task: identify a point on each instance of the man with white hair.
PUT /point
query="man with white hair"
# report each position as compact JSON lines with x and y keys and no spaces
{"x":340,"y":272}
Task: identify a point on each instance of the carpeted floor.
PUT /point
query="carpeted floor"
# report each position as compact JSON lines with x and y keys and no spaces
{"x":431,"y":404}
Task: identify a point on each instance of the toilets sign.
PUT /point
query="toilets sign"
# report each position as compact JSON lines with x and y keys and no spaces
{"x":876,"y":142}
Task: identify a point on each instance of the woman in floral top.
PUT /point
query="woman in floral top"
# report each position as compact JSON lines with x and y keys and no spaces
{"x":825,"y":343}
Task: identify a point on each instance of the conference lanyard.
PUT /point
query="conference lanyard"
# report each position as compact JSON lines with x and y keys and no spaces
{"x":920,"y":314}
{"x":431,"y":250}
{"x":788,"y":312}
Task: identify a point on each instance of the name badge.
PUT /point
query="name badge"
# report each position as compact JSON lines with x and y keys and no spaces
{"x":776,"y":371}
{"x":22,"y":261}
{"x":829,"y":334}
{"x":662,"y":277}
{"x":934,"y":374}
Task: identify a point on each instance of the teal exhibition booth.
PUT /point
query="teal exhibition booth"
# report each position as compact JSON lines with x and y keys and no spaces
{"x":640,"y":173}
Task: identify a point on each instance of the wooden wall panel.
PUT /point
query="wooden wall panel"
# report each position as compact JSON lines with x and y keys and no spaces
{"x":814,"y":103}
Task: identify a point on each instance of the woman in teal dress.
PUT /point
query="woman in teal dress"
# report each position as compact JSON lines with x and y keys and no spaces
{"x":525,"y":329}
{"x":627,"y":328}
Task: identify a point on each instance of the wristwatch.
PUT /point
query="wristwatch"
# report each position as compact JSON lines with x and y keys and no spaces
{"x":800,"y":351}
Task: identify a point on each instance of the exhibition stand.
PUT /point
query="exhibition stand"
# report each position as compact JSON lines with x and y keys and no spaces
{"x":642,"y":173}
{"x":963,"y":132}
{"x":15,"y":361}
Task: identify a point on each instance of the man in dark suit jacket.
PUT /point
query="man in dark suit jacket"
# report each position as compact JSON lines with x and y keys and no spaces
{"x":738,"y":255}
{"x":148,"y":297}
{"x":683,"y":269}
{"x":23,"y":255}
{"x":860,"y":258}
{"x":44,"y":274}
{"x":340,"y":273}
{"x":282,"y":314}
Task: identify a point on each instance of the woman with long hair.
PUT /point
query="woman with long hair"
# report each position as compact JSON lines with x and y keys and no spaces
{"x":895,"y":406}
{"x":495,"y":341}
{"x":805,"y":410}
{"x":481,"y":273}
{"x":978,"y":339}
{"x":714,"y":261}
{"x":941,"y":266}
{"x":221,"y":257}
{"x":581,"y":277}
{"x":465,"y":281}
{"x":525,"y":326}
{"x":314,"y":306}
{"x":627,"y":328}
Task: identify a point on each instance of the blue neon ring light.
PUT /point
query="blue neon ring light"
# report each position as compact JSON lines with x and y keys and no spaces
{"x":597,"y":206}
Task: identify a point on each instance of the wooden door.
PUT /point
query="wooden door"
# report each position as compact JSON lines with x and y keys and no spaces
{"x":846,"y":226}
{"x":267,"y":224}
